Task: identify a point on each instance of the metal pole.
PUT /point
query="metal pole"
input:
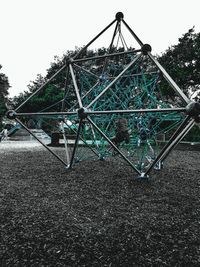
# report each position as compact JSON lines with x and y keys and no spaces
{"x":114,"y":146}
{"x":134,"y":35}
{"x":114,"y":34}
{"x":169,"y":79}
{"x":53,"y":153}
{"x":76,"y":143}
{"x":65,"y":92}
{"x":177,"y":132}
{"x":107,"y":55}
{"x":178,"y":139}
{"x":85,"y":47}
{"x":116,"y":79}
{"x":75,"y":86}
{"x":65,"y":141}
{"x":41,"y":87}
{"x":163,"y":110}
{"x":46,"y":113}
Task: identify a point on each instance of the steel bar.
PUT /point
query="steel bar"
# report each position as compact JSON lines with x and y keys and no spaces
{"x":41,"y":87}
{"x":132,"y":32}
{"x":114,"y":146}
{"x":169,"y":79}
{"x":85,"y":70}
{"x":65,"y":142}
{"x":76,"y":143}
{"x":53,"y":105}
{"x":174,"y":136}
{"x":99,"y":112}
{"x":52,"y":152}
{"x":114,"y":34}
{"x":178,"y":139}
{"x":116,"y":79}
{"x":65,"y":88}
{"x":95,"y":152}
{"x":46,"y":113}
{"x":161,"y":110}
{"x":75,"y":86}
{"x":107,"y":56}
{"x":94,"y":39}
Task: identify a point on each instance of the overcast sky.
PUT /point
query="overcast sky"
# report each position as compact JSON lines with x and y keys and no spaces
{"x":34,"y":31}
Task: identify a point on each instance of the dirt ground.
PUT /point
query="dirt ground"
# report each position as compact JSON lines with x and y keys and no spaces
{"x":97,"y":214}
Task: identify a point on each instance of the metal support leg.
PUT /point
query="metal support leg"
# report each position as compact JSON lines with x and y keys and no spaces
{"x":167,"y":146}
{"x":114,"y":146}
{"x":53,"y":153}
{"x":76,"y":143}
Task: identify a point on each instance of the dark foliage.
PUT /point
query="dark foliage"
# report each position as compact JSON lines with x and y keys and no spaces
{"x":182,"y":61}
{"x":4,"y":86}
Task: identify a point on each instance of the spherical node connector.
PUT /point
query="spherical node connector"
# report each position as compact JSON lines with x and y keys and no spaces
{"x":68,"y":60}
{"x":82,"y":113}
{"x":119,"y":16}
{"x":193,"y":109}
{"x":11,"y":114}
{"x":146,"y":48}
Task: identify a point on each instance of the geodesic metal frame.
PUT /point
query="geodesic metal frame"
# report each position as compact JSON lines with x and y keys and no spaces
{"x":101,"y":98}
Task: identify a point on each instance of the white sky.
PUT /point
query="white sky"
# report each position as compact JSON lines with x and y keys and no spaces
{"x":34,"y":31}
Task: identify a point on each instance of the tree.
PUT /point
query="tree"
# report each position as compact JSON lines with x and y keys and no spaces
{"x":182,"y":62}
{"x":4,"y":86}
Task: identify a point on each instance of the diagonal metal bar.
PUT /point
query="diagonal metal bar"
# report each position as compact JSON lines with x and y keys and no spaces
{"x":41,"y":87}
{"x":114,"y":146}
{"x":115,"y":80}
{"x":114,"y":34}
{"x":94,"y":39}
{"x":51,"y":151}
{"x":94,"y":151}
{"x":65,"y":88}
{"x":171,"y":140}
{"x":169,"y":79}
{"x":76,"y":143}
{"x":132,"y":32}
{"x":178,"y":139}
{"x":75,"y":86}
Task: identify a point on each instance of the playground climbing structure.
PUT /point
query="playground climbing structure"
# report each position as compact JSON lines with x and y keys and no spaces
{"x":122,"y":82}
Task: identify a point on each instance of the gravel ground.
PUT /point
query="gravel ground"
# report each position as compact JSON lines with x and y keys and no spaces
{"x":97,"y":214}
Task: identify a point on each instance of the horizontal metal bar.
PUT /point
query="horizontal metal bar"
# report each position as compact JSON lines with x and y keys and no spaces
{"x":106,"y":56}
{"x":162,"y":110}
{"x":99,"y":112}
{"x":46,"y":113}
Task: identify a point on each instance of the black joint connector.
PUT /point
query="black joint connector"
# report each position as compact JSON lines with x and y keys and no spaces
{"x":146,"y":48}
{"x":119,"y":16}
{"x":193,"y":110}
{"x":68,"y":60}
{"x":11,"y":114}
{"x":82,"y":113}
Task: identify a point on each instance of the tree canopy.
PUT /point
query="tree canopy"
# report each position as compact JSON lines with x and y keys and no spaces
{"x":182,"y":61}
{"x":4,"y":86}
